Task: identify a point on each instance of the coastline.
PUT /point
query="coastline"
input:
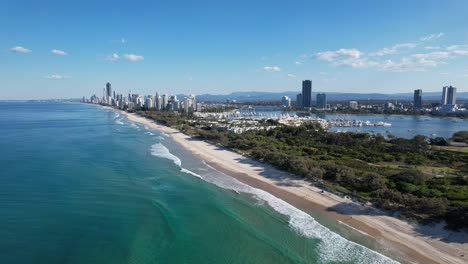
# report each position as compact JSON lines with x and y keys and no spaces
{"x":401,"y":238}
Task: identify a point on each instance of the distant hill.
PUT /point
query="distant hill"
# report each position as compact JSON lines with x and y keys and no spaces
{"x":331,"y":96}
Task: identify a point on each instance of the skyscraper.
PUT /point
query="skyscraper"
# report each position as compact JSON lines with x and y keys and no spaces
{"x":299,"y":101}
{"x":449,"y":95}
{"x":417,"y":101}
{"x":108,"y":90}
{"x":306,"y":94}
{"x":321,"y":100}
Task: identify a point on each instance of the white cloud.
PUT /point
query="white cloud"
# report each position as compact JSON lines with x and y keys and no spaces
{"x":20,"y":49}
{"x":271,"y":69}
{"x":339,"y":54}
{"x":458,"y":49}
{"x":58,"y":52}
{"x":56,"y":77}
{"x":432,"y":36}
{"x":290,"y":76}
{"x":123,"y":40}
{"x":298,"y":63}
{"x":415,"y":62}
{"x":133,"y":57}
{"x":345,"y":57}
{"x":394,"y":50}
{"x":113,"y":57}
{"x":432,"y":47}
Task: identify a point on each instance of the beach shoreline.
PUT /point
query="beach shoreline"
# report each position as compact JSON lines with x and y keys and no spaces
{"x":402,"y":239}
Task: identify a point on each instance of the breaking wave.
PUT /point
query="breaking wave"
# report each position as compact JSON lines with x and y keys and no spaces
{"x":332,"y":247}
{"x":159,"y":150}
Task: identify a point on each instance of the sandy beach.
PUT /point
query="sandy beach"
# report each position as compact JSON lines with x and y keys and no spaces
{"x":413,"y":243}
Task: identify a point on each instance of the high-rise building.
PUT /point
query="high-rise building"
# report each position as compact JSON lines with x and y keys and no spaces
{"x":149,"y":102}
{"x":165,"y":101}
{"x":286,"y":102}
{"x":321,"y":100}
{"x":158,"y":102}
{"x":449,"y":95}
{"x":417,"y":100}
{"x":299,"y":101}
{"x":108,"y":90}
{"x":306,"y":94}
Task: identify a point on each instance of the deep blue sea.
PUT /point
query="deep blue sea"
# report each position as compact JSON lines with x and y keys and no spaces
{"x":80,"y":184}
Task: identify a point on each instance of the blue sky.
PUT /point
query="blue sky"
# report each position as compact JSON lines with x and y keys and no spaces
{"x":60,"y":49}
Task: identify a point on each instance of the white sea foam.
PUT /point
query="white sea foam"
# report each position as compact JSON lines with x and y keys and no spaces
{"x":118,"y":121}
{"x":159,"y":150}
{"x":160,"y":138}
{"x":333,"y":247}
{"x":191,"y":173}
{"x":164,"y":134}
{"x":149,"y":133}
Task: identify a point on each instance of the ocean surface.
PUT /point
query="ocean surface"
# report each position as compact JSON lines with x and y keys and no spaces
{"x":80,"y":184}
{"x":401,"y":125}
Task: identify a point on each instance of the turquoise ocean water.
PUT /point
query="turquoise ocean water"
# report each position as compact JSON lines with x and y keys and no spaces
{"x":80,"y":184}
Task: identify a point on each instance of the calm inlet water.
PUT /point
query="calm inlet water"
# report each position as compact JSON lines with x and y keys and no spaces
{"x":79,"y":184}
{"x":402,"y":125}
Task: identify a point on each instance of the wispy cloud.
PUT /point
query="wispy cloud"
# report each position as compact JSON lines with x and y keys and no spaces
{"x":432,"y":47}
{"x":415,"y":62}
{"x":113,"y":57}
{"x":133,"y":57}
{"x":346,"y":57}
{"x":19,"y":49}
{"x":458,"y":49}
{"x":58,"y":52}
{"x":298,"y":63}
{"x":123,"y":40}
{"x":339,"y":54}
{"x":432,"y":36}
{"x":290,"y":76}
{"x":57,"y":77}
{"x":394,"y":49}
{"x":271,"y":69}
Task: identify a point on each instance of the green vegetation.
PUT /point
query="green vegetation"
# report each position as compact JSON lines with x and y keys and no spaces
{"x":461,"y":136}
{"x":351,"y":163}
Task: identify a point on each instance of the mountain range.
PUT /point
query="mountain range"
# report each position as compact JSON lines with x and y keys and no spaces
{"x":331,"y":96}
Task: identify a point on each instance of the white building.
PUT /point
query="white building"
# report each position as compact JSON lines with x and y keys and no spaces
{"x":286,"y":102}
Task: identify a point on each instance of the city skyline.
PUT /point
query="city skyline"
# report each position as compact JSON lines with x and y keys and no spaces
{"x":220,"y":48}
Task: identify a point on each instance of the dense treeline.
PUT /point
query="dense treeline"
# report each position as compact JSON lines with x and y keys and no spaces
{"x":351,"y":163}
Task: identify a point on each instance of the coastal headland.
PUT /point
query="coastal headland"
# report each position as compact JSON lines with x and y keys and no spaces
{"x":411,"y":242}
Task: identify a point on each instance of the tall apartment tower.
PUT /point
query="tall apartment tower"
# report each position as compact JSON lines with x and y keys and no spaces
{"x":449,"y":95}
{"x":299,"y":101}
{"x":321,"y":100}
{"x":306,"y":94}
{"x":108,"y":90}
{"x":417,"y":100}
